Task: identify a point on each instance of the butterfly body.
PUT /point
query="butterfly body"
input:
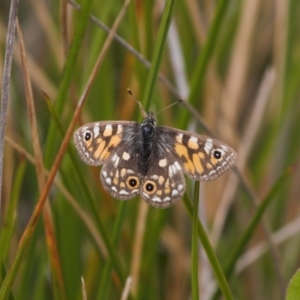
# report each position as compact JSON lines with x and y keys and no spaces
{"x":150,"y":160}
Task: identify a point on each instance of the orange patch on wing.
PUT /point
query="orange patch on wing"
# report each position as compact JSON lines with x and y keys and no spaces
{"x":99,"y":150}
{"x":167,"y":183}
{"x":189,"y":166}
{"x":108,"y":130}
{"x":167,"y":190}
{"x":209,"y":166}
{"x":201,"y":155}
{"x":123,"y":172}
{"x":182,"y":151}
{"x":213,"y":160}
{"x":193,"y":144}
{"x":114,"y":141}
{"x":161,"y":180}
{"x":88,"y":143}
{"x":197,"y":163}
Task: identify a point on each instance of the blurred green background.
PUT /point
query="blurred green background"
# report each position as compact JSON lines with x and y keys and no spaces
{"x":238,"y":64}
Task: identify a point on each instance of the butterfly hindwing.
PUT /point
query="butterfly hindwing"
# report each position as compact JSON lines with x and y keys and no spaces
{"x":164,"y":183}
{"x":120,"y":175}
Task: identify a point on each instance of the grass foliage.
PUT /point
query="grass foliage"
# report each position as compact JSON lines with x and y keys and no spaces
{"x":237,"y":65}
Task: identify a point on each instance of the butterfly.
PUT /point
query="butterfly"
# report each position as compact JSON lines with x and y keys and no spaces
{"x":149,"y":160}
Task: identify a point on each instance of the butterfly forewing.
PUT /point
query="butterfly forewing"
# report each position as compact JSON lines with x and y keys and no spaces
{"x":95,"y":142}
{"x":201,"y":157}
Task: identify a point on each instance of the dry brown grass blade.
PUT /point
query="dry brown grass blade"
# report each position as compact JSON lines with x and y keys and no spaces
{"x":255,"y":253}
{"x":64,"y":25}
{"x":103,"y":52}
{"x":238,"y":68}
{"x":10,"y":38}
{"x":138,"y":245}
{"x":244,"y":151}
{"x":49,"y":28}
{"x":31,"y":225}
{"x":86,"y":219}
{"x":83,"y":289}
{"x":38,"y":76}
{"x":47,"y":214}
{"x":126,"y":289}
{"x":197,"y":20}
{"x":42,"y":199}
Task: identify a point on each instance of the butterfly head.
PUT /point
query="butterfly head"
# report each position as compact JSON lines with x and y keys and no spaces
{"x":148,"y":126}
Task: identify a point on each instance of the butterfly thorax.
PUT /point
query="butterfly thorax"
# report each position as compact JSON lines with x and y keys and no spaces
{"x":146,"y":145}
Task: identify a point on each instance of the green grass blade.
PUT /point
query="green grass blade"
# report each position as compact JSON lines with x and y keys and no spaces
{"x":105,"y":284}
{"x":197,"y":79}
{"x":237,"y":250}
{"x":88,"y":195}
{"x":293,"y":290}
{"x":67,"y":74}
{"x":214,"y":263}
{"x":158,"y":51}
{"x":195,"y":265}
{"x":10,"y":217}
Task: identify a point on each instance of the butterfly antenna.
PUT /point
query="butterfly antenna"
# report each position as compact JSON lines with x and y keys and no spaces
{"x":178,"y":101}
{"x":138,"y":103}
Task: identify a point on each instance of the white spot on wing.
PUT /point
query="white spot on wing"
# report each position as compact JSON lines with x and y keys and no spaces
{"x":123,"y":192}
{"x":119,"y":130}
{"x":108,"y":181}
{"x":170,"y":171}
{"x":126,"y":155}
{"x":208,"y":145}
{"x":174,"y":168}
{"x":96,"y":130}
{"x":180,"y":187}
{"x":107,"y":130}
{"x":163,"y":162}
{"x":177,"y":165}
{"x":156,"y":199}
{"x":116,"y":162}
{"x":179,"y":138}
{"x":175,"y":193}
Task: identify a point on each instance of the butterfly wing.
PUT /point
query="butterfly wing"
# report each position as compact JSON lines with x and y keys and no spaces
{"x":201,"y":157}
{"x":96,"y":142}
{"x":108,"y":143}
{"x":164,"y":183}
{"x":120,"y":175}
